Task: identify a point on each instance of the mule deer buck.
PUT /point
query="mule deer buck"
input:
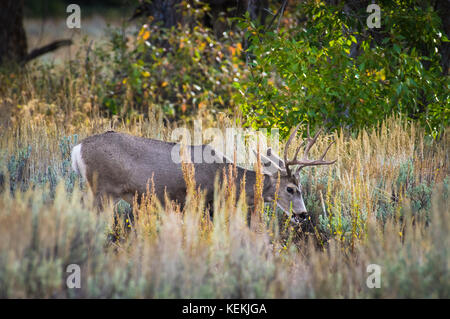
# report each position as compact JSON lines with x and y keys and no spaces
{"x":118,"y":165}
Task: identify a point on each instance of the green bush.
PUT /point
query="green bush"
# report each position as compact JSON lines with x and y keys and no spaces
{"x":310,"y":70}
{"x":180,"y":71}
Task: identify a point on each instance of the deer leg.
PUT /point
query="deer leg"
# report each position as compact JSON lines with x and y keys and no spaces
{"x":210,"y":209}
{"x":124,"y":212}
{"x":98,"y":201}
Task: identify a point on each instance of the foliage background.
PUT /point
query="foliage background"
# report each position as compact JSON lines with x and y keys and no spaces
{"x":332,"y":69}
{"x":318,"y":62}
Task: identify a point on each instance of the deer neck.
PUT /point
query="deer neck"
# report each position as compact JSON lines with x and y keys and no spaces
{"x":268,"y":190}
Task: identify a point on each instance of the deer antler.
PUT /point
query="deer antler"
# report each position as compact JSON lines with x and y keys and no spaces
{"x":305,"y":161}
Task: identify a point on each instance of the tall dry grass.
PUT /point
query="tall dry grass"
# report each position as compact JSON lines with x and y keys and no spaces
{"x":384,"y":202}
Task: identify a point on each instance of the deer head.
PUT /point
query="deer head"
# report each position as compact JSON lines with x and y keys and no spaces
{"x":290,"y":197}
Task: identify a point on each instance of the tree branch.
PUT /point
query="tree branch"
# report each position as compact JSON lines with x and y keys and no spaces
{"x":45,"y":49}
{"x":279,"y":12}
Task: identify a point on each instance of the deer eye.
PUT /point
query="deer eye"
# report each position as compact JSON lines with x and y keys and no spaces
{"x":290,"y":190}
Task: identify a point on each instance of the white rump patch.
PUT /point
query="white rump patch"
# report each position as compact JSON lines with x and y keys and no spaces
{"x":77,"y":161}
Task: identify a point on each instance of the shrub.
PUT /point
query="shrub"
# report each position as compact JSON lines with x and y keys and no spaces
{"x":332,"y":70}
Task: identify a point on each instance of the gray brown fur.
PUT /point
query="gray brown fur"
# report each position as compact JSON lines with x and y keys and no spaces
{"x":123,"y":165}
{"x":119,"y":165}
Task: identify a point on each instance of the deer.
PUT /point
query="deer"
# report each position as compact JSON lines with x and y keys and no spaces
{"x":118,"y":166}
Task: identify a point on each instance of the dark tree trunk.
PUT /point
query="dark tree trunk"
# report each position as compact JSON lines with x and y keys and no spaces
{"x":168,"y":13}
{"x":443,"y":9}
{"x":13,"y":40}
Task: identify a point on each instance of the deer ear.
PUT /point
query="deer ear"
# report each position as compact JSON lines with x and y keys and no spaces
{"x":274,"y":158}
